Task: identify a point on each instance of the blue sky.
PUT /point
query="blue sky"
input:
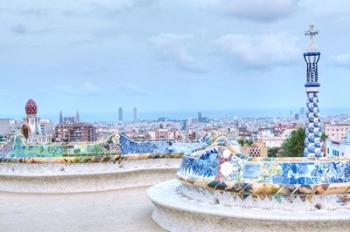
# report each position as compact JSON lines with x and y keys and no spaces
{"x":164,"y":55}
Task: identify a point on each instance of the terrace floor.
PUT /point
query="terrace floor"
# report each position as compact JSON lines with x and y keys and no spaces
{"x":121,"y":210}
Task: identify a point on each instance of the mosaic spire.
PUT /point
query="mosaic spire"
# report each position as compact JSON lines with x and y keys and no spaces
{"x":311,"y":33}
{"x":312,"y":146}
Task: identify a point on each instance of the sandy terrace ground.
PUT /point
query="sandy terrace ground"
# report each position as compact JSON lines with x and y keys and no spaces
{"x":122,"y":210}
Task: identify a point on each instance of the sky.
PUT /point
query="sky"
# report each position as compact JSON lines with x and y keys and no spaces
{"x":169,"y":56}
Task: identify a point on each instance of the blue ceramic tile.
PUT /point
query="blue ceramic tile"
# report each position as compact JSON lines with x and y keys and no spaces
{"x":251,"y":170}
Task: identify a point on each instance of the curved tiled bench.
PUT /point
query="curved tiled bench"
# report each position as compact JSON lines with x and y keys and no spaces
{"x":219,"y":189}
{"x":85,"y":174}
{"x":177,"y":213}
{"x":216,"y":174}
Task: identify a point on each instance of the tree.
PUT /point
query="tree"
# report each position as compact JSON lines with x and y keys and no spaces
{"x":241,"y":142}
{"x":324,"y":137}
{"x":245,"y":142}
{"x":248,"y":143}
{"x":294,"y":145}
{"x":272,"y":152}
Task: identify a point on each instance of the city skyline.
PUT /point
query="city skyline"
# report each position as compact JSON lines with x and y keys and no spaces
{"x":178,"y":115}
{"x":96,"y":56}
{"x":119,"y":115}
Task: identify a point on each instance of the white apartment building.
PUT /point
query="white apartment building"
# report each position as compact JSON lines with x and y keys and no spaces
{"x":336,"y":132}
{"x":272,"y":142}
{"x":7,"y":126}
{"x":337,"y":149}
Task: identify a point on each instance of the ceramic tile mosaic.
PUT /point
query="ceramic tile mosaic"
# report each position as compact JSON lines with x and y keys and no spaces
{"x":19,"y":148}
{"x":129,"y":146}
{"x":112,"y":147}
{"x":218,"y":168}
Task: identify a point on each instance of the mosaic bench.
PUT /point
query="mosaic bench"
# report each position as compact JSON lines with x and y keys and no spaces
{"x":265,"y":182}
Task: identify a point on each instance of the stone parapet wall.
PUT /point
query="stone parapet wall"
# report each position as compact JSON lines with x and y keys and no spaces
{"x":177,"y":213}
{"x":85,"y":177}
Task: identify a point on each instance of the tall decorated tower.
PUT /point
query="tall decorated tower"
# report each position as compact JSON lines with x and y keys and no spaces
{"x":32,"y":122}
{"x":313,"y":146}
{"x":31,"y":109}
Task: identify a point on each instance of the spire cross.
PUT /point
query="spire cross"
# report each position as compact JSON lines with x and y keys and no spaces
{"x":311,"y":33}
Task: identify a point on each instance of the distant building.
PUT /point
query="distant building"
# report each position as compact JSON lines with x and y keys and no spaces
{"x":244,"y":132}
{"x":134,"y":114}
{"x":77,"y":117}
{"x":184,"y":125}
{"x":69,"y":119}
{"x":162,"y":119}
{"x":162,"y":134}
{"x":192,"y":135}
{"x":7,"y":127}
{"x":296,"y":116}
{"x":199,"y":116}
{"x":336,"y":132}
{"x":274,"y":137}
{"x":232,"y":133}
{"x":120,"y":114}
{"x":273,"y":142}
{"x":75,"y":132}
{"x":236,"y":122}
{"x":265,"y":132}
{"x":47,"y":127}
{"x":338,"y":148}
{"x":302,"y":111}
{"x":61,"y":117}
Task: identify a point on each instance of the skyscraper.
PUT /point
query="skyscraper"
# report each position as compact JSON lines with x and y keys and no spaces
{"x":312,"y":146}
{"x":199,"y":116}
{"x":77,"y":117}
{"x":184,"y":125}
{"x":61,"y":117}
{"x":134,"y":114}
{"x":120,"y":114}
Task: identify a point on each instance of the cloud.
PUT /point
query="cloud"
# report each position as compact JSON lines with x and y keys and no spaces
{"x":114,"y":7}
{"x":174,"y":48}
{"x":86,"y":89}
{"x":19,"y":29}
{"x":260,"y":10}
{"x":256,"y":10}
{"x":6,"y":95}
{"x":132,"y":89}
{"x":103,"y":8}
{"x":90,"y":89}
{"x":342,"y":60}
{"x":260,"y":51}
{"x":42,"y":7}
{"x":55,"y":14}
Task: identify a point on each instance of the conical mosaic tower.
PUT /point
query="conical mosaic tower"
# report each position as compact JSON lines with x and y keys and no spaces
{"x":313,"y":145}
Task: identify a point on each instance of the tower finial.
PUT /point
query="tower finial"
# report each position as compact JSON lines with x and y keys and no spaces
{"x":311,"y":33}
